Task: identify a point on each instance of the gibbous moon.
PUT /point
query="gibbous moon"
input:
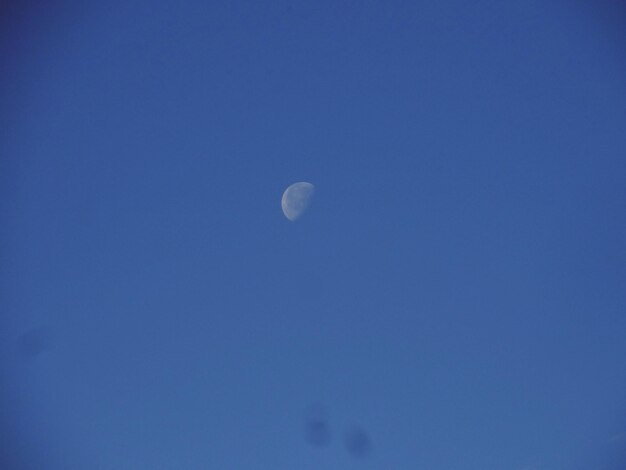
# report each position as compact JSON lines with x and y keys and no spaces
{"x":296,"y":199}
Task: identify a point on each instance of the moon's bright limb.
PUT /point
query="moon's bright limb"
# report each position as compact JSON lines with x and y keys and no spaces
{"x":296,"y":199}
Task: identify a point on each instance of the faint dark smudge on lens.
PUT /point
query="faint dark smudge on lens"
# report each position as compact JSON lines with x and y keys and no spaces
{"x":34,"y":342}
{"x":317,"y":428}
{"x":358,"y":443}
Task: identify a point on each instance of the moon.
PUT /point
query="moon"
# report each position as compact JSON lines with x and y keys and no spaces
{"x":296,"y":199}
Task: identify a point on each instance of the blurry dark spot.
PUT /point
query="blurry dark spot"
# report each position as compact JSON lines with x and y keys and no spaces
{"x":358,"y":443}
{"x":34,"y":342}
{"x":318,"y":433}
{"x":317,"y":429}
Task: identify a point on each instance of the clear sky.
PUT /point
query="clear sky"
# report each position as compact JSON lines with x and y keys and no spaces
{"x":454,"y":298}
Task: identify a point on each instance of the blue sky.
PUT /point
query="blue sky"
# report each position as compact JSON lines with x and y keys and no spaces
{"x":455,"y":292}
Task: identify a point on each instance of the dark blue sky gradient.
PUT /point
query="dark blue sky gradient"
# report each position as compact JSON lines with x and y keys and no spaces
{"x":454,"y":297}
